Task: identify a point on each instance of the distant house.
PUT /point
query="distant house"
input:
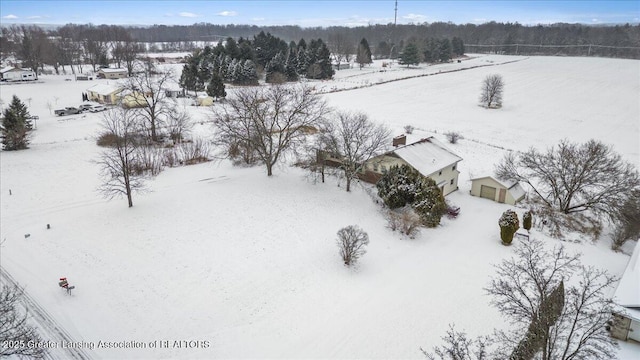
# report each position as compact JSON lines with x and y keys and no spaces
{"x":15,"y":74}
{"x":133,"y":99}
{"x":111,"y":73}
{"x":341,"y":66}
{"x":428,"y":156}
{"x":626,"y":324}
{"x":104,"y":93}
{"x":508,"y":192}
{"x":203,"y":100}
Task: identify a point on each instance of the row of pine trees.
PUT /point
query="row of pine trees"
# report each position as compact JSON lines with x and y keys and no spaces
{"x":238,"y":62}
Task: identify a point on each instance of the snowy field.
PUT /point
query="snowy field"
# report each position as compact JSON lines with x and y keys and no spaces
{"x":245,"y":266}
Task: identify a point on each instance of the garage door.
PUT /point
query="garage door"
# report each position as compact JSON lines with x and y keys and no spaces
{"x":487,"y":192}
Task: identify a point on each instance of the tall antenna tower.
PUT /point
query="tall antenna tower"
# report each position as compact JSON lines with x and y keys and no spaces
{"x":395,"y":17}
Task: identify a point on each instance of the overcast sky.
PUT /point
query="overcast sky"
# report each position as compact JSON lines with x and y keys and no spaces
{"x":315,"y":13}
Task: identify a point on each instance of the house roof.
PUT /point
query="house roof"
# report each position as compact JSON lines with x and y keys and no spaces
{"x":427,"y":155}
{"x":628,"y":291}
{"x":112,"y":70}
{"x":512,"y":185}
{"x":104,"y":89}
{"x":6,"y":69}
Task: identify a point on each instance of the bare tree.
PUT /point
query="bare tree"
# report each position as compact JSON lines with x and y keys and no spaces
{"x":148,"y":89}
{"x":352,"y":241}
{"x":118,"y":161}
{"x":550,"y":320}
{"x":574,"y":178}
{"x":15,"y":332}
{"x":179,"y":124}
{"x":268,"y":121}
{"x":355,"y":140}
{"x":492,"y":90}
{"x":522,"y":290}
{"x":341,"y":46}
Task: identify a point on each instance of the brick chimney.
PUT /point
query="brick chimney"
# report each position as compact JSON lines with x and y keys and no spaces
{"x":400,"y":140}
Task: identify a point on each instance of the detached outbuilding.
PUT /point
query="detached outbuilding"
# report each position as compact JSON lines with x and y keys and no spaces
{"x":111,"y":73}
{"x":16,"y":74}
{"x":625,"y":324}
{"x":508,"y":192}
{"x":104,"y":93}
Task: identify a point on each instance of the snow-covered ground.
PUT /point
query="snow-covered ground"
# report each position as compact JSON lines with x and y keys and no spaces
{"x":238,"y":265}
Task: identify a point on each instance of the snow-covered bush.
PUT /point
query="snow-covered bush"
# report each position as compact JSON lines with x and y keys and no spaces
{"x":401,"y":186}
{"x":527,"y":219}
{"x":352,"y":241}
{"x":409,"y":129}
{"x":509,"y":224}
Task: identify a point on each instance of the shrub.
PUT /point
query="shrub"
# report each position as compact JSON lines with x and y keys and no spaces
{"x":406,"y":221}
{"x":401,"y":186}
{"x":107,"y":139}
{"x":409,"y":129}
{"x":509,"y":224}
{"x":352,"y":241}
{"x":453,"y":136}
{"x":527,"y":219}
{"x":452,"y":211}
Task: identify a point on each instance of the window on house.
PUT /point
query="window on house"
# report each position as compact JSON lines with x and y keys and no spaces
{"x":375,"y":167}
{"x":453,"y":168}
{"x":451,"y":182}
{"x":440,"y":173}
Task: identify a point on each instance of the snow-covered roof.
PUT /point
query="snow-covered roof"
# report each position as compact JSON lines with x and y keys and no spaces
{"x":427,"y":155}
{"x":112,"y":70}
{"x":6,"y":69}
{"x":628,"y":291}
{"x":104,"y":89}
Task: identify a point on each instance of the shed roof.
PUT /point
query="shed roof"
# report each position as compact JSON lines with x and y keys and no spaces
{"x":427,"y":155}
{"x":6,"y":69}
{"x":112,"y":70}
{"x":104,"y":89}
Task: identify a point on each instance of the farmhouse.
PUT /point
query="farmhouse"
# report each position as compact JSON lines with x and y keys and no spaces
{"x":104,"y":93}
{"x":508,"y":192}
{"x":428,"y":156}
{"x":111,"y":73}
{"x":627,"y":321}
{"x":15,"y":74}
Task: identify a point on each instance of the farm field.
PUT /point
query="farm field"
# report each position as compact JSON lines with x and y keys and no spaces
{"x":224,"y":256}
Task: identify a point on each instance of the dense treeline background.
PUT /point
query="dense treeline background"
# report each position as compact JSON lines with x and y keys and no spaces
{"x":92,"y":45}
{"x":381,"y":36}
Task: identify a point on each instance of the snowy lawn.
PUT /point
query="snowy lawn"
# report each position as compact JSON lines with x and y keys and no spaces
{"x":248,"y":263}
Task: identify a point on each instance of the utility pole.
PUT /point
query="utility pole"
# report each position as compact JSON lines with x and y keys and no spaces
{"x":395,"y":17}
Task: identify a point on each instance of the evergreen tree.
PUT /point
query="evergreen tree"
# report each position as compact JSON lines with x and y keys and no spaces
{"x":401,"y":186}
{"x":319,"y":60}
{"x":364,"y":53}
{"x":275,"y":69}
{"x":231,"y":48}
{"x":445,"y":50}
{"x":457,"y":46}
{"x":16,"y":126}
{"x":216,"y":88}
{"x":303,"y":61}
{"x":509,"y":224}
{"x":410,"y":55}
{"x":249,"y":73}
{"x":189,"y":78}
{"x":291,"y":65}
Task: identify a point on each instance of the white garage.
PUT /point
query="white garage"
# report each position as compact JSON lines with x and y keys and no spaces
{"x":508,"y":192}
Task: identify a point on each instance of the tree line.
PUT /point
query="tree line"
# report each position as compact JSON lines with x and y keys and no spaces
{"x":75,"y":44}
{"x":382,"y":35}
